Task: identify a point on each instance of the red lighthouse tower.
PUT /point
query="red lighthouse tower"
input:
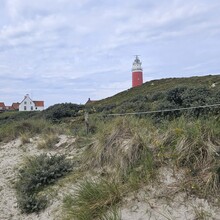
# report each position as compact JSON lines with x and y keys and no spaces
{"x":137,"y":73}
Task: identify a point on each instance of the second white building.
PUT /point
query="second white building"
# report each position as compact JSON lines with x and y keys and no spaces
{"x":28,"y":104}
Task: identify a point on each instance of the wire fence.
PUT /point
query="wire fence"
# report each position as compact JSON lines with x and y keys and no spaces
{"x":166,"y":110}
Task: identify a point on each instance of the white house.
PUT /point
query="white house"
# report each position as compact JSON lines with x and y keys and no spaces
{"x":28,"y":105}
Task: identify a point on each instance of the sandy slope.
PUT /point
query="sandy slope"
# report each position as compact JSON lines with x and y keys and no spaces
{"x":158,"y":202}
{"x":11,"y":155}
{"x":164,"y":201}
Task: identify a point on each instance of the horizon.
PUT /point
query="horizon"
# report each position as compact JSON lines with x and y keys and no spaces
{"x":6,"y":104}
{"x":62,"y":52}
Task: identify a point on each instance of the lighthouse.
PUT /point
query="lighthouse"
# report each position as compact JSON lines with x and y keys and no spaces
{"x":137,"y":73}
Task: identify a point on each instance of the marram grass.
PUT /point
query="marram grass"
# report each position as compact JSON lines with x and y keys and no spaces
{"x":93,"y":200}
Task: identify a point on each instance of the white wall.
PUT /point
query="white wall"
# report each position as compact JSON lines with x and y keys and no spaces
{"x":27,"y":104}
{"x":39,"y":108}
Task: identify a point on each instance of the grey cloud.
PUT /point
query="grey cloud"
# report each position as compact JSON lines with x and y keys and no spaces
{"x":65,"y":46}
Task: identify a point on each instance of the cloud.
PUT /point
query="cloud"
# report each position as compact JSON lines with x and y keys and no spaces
{"x":20,"y":9}
{"x":86,"y":47}
{"x":32,"y":31}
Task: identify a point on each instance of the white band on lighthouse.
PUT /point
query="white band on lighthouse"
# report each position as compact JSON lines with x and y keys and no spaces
{"x":136,"y":65}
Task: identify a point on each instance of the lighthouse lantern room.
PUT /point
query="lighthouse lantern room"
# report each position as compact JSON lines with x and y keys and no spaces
{"x":137,"y":73}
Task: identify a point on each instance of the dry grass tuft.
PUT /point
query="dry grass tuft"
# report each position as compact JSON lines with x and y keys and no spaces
{"x":201,"y":214}
{"x":48,"y":141}
{"x":129,"y":153}
{"x":93,"y":200}
{"x":117,"y":149}
{"x":195,"y":145}
{"x":25,"y":138}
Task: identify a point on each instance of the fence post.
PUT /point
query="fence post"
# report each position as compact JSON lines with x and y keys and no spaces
{"x":87,"y":122}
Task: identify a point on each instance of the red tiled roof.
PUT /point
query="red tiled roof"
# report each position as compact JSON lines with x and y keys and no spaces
{"x":2,"y":104}
{"x":39,"y":103}
{"x":15,"y":106}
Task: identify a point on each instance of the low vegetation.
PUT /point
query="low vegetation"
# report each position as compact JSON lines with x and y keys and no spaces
{"x":129,"y":151}
{"x":29,"y":127}
{"x":118,"y":148}
{"x":25,"y":138}
{"x":194,"y":146}
{"x":121,"y":161}
{"x":48,"y":141}
{"x":61,"y":111}
{"x":124,"y":154}
{"x":93,"y":200}
{"x":36,"y":173}
{"x":13,"y":116}
{"x":165,"y":94}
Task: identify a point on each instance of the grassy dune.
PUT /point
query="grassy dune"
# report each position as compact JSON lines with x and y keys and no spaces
{"x":120,"y":156}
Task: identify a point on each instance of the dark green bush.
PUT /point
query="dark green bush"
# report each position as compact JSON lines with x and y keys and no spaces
{"x":64,"y":110}
{"x":183,"y":97}
{"x":157,"y":96}
{"x":38,"y":172}
{"x":175,"y":95}
{"x":29,"y":203}
{"x":197,"y":96}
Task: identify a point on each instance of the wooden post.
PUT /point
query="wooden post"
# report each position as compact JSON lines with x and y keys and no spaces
{"x":87,"y":122}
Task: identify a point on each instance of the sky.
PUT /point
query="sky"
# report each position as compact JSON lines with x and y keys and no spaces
{"x":68,"y":51}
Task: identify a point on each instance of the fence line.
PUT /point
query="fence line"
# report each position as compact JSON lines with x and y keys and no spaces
{"x":165,"y":110}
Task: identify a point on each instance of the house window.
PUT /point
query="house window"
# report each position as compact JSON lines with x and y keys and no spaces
{"x":25,"y":103}
{"x":36,"y":108}
{"x":30,"y":102}
{"x":31,"y":108}
{"x":25,"y":108}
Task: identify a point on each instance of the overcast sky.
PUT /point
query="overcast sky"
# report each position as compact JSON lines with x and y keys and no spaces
{"x":67,"y":50}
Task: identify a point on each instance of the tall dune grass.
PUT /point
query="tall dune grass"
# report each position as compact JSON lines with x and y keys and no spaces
{"x":130,"y":151}
{"x":118,"y":148}
{"x":13,"y":129}
{"x":93,"y":200}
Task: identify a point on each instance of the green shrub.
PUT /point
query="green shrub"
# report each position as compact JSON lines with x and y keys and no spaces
{"x":185,"y":97}
{"x":198,"y":96}
{"x":29,"y":203}
{"x":175,"y":95}
{"x":36,"y":173}
{"x":64,"y":110}
{"x":157,"y":96}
